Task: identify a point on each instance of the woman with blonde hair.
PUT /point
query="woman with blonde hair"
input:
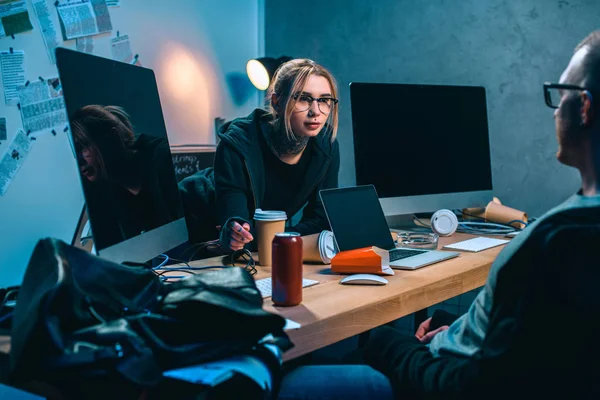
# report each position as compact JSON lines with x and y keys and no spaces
{"x":280,"y":158}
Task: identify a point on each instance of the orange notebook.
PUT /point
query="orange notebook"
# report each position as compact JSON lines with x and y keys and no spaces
{"x":367,"y":260}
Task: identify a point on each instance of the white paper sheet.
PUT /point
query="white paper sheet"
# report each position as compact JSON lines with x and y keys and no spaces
{"x":42,"y":107}
{"x":120,"y":48}
{"x":13,"y":158}
{"x":84,"y":18}
{"x":47,"y":28}
{"x":13,"y":75}
{"x":14,"y":17}
{"x":85,"y":44}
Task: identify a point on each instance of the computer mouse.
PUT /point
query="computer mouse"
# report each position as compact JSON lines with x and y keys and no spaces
{"x":364,"y":279}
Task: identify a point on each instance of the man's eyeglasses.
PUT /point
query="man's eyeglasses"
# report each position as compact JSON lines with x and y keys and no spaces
{"x":553,"y":92}
{"x":304,"y":102}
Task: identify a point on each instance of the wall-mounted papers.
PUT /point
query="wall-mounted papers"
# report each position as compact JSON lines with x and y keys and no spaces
{"x":13,"y":75}
{"x":83,"y":18}
{"x":85,"y":44}
{"x":13,"y":158}
{"x":14,"y":17}
{"x":2,"y":128}
{"x":47,"y":27}
{"x":120,"y":48}
{"x":42,"y":106}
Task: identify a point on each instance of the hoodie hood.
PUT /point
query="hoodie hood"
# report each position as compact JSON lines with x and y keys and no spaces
{"x":242,"y":134}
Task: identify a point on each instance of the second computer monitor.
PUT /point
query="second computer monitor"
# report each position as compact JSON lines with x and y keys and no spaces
{"x":423,"y":147}
{"x":120,"y":141}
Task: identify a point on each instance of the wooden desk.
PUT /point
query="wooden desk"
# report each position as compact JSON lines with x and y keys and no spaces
{"x":331,"y":312}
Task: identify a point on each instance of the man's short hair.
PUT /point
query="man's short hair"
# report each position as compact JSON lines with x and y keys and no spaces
{"x":591,"y":63}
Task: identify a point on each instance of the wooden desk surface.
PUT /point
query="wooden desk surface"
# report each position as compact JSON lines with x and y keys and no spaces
{"x":331,"y":312}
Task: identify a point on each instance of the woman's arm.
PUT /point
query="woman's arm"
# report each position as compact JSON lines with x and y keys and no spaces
{"x":233,"y":193}
{"x":314,"y":219}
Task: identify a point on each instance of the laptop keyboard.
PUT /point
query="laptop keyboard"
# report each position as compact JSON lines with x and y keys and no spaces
{"x":399,"y":254}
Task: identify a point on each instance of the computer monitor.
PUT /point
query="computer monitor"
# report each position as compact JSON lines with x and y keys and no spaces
{"x":120,"y":142}
{"x":423,"y":147}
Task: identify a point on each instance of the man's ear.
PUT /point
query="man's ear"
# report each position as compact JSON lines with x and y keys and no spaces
{"x":587,"y":109}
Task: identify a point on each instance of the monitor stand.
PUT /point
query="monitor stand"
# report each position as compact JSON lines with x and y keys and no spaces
{"x":405,"y":222}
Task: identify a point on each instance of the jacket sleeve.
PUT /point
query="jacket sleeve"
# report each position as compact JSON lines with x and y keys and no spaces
{"x":314,"y":219}
{"x":414,"y":372}
{"x":232,"y":185}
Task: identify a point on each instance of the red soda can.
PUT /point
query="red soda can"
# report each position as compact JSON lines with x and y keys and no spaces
{"x":286,"y":269}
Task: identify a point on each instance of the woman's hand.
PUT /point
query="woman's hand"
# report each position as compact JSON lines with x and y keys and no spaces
{"x":239,"y":236}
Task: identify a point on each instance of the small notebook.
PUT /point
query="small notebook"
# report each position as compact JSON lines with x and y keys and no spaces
{"x":476,"y":244}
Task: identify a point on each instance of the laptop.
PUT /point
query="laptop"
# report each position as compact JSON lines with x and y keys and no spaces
{"x":357,"y":220}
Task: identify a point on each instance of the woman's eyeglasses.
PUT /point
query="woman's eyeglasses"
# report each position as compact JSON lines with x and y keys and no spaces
{"x":304,"y":102}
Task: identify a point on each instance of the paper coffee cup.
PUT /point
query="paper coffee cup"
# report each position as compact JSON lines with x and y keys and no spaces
{"x":319,"y":247}
{"x":498,"y":213}
{"x":267,"y":224}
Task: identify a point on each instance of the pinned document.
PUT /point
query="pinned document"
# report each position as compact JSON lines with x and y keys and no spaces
{"x":47,"y":28}
{"x":83,"y":18}
{"x":14,"y":17}
{"x":12,"y":159}
{"x":13,"y":74}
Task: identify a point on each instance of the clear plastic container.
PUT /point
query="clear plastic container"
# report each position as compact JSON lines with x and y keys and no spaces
{"x":417,"y":240}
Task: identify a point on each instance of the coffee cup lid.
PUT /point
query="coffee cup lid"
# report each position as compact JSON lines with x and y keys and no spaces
{"x":327,"y":248}
{"x":268,"y":215}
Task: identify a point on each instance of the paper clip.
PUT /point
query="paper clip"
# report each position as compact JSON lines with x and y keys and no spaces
{"x":118,"y":34}
{"x":53,"y":132}
{"x":33,"y":138}
{"x":135,"y":59}
{"x":41,"y":79}
{"x":19,"y":106}
{"x":28,"y":132}
{"x":27,"y":83}
{"x":11,"y":50}
{"x":12,"y":35}
{"x":66,"y":128}
{"x":56,"y":3}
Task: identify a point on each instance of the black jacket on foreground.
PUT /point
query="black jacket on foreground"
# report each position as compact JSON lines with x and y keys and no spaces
{"x":547,"y":312}
{"x":237,"y":185}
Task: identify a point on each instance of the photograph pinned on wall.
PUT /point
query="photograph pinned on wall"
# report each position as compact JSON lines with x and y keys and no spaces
{"x":47,"y":27}
{"x":14,"y":17}
{"x":42,"y":106}
{"x":13,"y":74}
{"x":85,"y":44}
{"x":13,"y":158}
{"x":83,"y":18}
{"x":2,"y":128}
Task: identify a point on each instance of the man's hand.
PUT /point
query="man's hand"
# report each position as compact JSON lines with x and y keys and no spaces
{"x":239,"y":235}
{"x":424,"y":334}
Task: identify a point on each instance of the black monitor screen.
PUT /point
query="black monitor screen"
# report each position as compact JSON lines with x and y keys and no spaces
{"x":120,"y":141}
{"x":420,"y":139}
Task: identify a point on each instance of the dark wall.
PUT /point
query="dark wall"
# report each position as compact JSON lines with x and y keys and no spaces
{"x":510,"y":47}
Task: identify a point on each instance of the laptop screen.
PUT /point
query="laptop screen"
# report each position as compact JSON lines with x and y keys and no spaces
{"x":356,"y":218}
